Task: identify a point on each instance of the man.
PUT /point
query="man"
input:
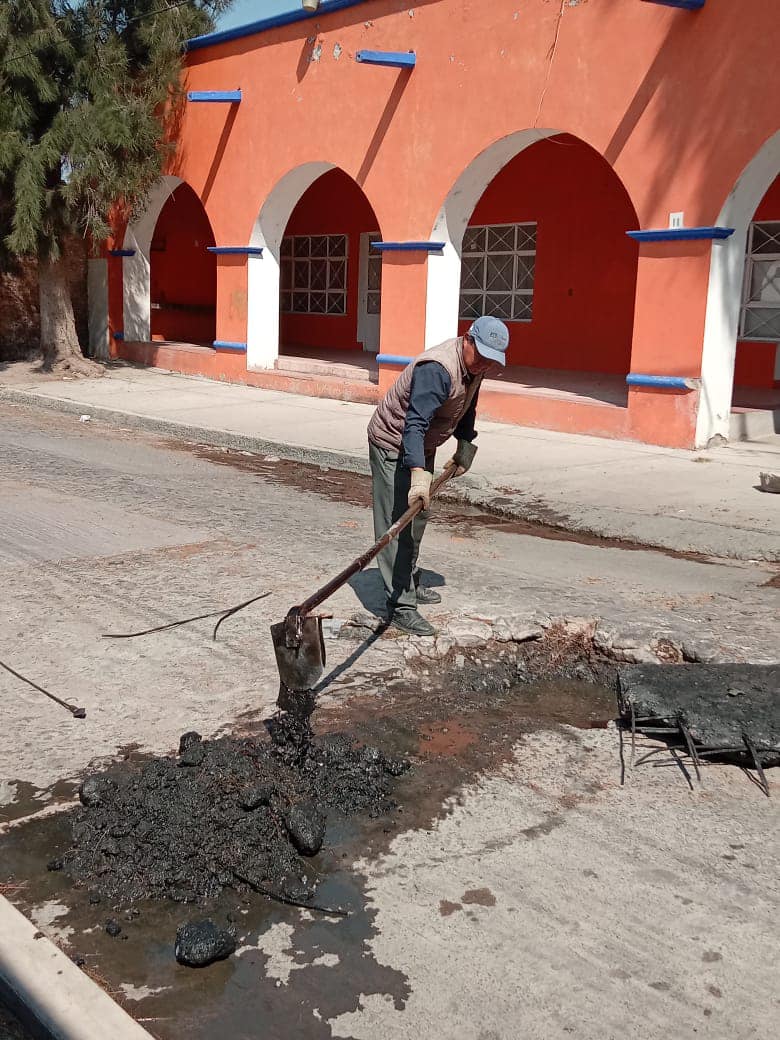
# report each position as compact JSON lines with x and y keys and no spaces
{"x":434,"y":398}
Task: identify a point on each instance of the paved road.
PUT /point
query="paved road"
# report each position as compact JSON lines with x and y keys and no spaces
{"x":542,"y":900}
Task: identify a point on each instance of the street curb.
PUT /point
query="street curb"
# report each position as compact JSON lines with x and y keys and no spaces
{"x":46,"y":990}
{"x":680,"y":536}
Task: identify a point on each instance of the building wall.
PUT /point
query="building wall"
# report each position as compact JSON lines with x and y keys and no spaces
{"x":756,"y":362}
{"x":333,"y":205}
{"x":183,"y":275}
{"x":674,"y":101}
{"x":585,"y":276}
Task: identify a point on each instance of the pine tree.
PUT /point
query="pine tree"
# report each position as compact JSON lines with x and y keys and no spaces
{"x":89,"y":94}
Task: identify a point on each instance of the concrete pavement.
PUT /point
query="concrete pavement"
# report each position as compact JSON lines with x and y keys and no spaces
{"x":705,"y":502}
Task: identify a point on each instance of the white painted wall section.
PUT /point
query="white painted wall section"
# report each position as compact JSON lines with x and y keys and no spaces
{"x":97,"y":306}
{"x":724,"y":293}
{"x":263,"y":326}
{"x":136,"y":302}
{"x":443,"y":294}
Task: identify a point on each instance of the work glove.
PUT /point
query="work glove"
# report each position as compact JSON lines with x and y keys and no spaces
{"x":463,"y":457}
{"x":420,"y":487}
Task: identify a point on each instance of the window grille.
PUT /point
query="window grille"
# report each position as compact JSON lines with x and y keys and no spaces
{"x":497,"y":272}
{"x":760,"y":317}
{"x":313,"y":270}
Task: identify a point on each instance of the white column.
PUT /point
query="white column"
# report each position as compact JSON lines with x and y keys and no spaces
{"x":724,"y":294}
{"x":97,"y":306}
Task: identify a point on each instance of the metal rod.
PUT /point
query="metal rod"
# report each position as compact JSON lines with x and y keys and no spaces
{"x":76,"y":712}
{"x":757,"y":763}
{"x":363,"y":561}
{"x":691,"y":748}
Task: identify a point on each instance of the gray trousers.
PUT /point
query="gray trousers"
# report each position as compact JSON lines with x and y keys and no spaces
{"x":390,"y":481}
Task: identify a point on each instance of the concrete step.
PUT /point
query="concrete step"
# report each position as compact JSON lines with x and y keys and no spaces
{"x":305,"y":366}
{"x":750,"y":424}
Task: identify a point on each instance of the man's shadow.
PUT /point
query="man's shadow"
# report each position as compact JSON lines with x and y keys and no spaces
{"x":369,"y":589}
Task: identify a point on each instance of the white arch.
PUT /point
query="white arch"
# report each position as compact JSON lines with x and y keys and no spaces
{"x":724,"y":294}
{"x":441,"y":310}
{"x":262,"y":347}
{"x":136,"y":303}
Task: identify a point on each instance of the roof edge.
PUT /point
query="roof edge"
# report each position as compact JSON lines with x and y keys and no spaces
{"x":264,"y":24}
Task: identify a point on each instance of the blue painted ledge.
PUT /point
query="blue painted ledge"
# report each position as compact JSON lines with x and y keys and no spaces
{"x":689,"y":5}
{"x":664,"y":382}
{"x":226,"y":344}
{"x":274,"y":22}
{"x":119,"y":335}
{"x":393,"y":359}
{"x":121,"y":252}
{"x":679,"y":234}
{"x":392,"y":59}
{"x":230,"y":97}
{"x":235,"y":250}
{"x":408,"y":247}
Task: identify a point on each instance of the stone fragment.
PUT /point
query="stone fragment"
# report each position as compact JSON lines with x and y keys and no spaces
{"x":199,"y":943}
{"x":96,"y":790}
{"x":514,"y":628}
{"x":469,"y":632}
{"x":113,"y":927}
{"x":306,"y":827}
{"x":188,"y":739}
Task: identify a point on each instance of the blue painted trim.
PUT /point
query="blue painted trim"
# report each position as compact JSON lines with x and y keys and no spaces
{"x":229,"y":96}
{"x":264,"y":24}
{"x":119,"y":335}
{"x":235,"y":250}
{"x":689,"y":5}
{"x":679,"y":234}
{"x":121,"y":252}
{"x":226,"y":344}
{"x":668,"y":382}
{"x":408,"y":247}
{"x":393,"y":359}
{"x":393,"y":59}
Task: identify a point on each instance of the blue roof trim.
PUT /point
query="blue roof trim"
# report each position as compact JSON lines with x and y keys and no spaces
{"x":264,"y":24}
{"x":393,"y":59}
{"x":689,"y":5}
{"x":121,"y":252}
{"x":394,"y":359}
{"x":664,"y":382}
{"x":679,"y":234}
{"x":227,"y":344}
{"x":235,"y":250}
{"x":225,"y":96}
{"x":408,"y":247}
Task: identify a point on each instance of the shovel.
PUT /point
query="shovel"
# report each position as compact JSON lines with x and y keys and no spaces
{"x":298,"y":640}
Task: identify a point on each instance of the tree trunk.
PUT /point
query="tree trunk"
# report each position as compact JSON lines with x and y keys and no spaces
{"x":59,"y":342}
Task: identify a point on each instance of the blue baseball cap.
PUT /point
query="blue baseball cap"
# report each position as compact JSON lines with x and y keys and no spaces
{"x":491,"y":337}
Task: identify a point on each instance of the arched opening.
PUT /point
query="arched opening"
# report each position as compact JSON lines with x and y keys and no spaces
{"x":541,"y":243}
{"x":169,"y":278}
{"x":315,"y":292}
{"x":740,"y":394}
{"x":183,"y":274}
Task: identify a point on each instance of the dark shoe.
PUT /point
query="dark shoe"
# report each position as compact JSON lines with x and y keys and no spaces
{"x":427,"y":596}
{"x":409,"y":620}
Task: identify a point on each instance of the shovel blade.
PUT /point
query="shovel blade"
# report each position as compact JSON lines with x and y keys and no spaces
{"x":300,"y":658}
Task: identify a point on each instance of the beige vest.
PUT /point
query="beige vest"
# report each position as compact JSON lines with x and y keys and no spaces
{"x":387,"y":423}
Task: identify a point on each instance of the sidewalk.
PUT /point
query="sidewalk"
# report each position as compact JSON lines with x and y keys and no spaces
{"x":704,"y":502}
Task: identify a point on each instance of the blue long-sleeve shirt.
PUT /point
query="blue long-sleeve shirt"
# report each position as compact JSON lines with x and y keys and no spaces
{"x":431,"y":385}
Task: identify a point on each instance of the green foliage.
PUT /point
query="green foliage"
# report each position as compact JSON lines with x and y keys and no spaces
{"x":90,"y":93}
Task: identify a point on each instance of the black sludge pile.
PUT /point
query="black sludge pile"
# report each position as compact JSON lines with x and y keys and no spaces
{"x":223,"y":813}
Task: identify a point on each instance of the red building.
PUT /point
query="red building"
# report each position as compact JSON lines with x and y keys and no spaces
{"x":354,"y":185}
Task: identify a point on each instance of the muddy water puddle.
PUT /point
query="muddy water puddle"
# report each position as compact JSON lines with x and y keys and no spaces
{"x":355,"y":489}
{"x":296,"y":970}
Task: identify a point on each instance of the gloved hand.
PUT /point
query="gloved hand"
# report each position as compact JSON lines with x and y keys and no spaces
{"x":420,"y":487}
{"x":463,"y":457}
